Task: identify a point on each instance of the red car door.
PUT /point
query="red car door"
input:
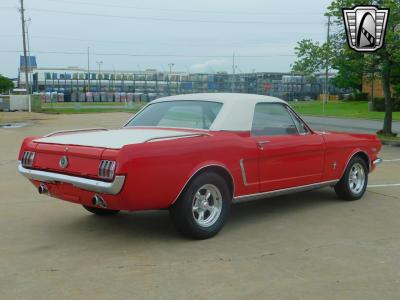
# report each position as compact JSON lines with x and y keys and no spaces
{"x":290,"y":154}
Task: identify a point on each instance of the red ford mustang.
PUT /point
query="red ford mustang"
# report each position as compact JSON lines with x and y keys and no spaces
{"x":194,"y":155}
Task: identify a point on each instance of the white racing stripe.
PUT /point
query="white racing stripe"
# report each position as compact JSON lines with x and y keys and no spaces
{"x":383,"y":185}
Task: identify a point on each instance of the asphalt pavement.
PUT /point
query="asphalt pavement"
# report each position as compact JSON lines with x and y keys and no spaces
{"x":309,"y":245}
{"x":344,"y":124}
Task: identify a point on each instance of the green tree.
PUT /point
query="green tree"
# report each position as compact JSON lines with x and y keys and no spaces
{"x":352,"y":66}
{"x":5,"y":84}
{"x":310,"y":57}
{"x":313,"y":57}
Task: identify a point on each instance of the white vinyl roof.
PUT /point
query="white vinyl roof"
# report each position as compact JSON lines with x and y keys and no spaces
{"x":237,"y":111}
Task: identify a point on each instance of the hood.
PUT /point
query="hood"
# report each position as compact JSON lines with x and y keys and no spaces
{"x":114,"y":139}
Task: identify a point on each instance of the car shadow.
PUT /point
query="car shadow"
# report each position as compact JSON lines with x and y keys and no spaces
{"x":138,"y":225}
{"x":156,"y":225}
{"x":280,"y":207}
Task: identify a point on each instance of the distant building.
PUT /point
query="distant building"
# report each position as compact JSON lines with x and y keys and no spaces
{"x":31,"y":63}
{"x":373,"y":88}
{"x":79,"y":84}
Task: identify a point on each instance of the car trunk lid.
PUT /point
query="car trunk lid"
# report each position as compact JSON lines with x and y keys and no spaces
{"x":85,"y":150}
{"x":114,"y":139}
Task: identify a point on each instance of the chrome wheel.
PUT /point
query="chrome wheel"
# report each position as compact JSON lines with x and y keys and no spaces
{"x":207,"y":205}
{"x":356,"y":178}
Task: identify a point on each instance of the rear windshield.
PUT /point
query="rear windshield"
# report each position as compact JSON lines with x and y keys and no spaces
{"x":180,"y":114}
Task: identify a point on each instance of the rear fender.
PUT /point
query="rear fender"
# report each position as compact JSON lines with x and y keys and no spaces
{"x":200,"y":168}
{"x":27,"y":145}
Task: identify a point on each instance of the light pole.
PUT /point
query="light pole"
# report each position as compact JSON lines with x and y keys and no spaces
{"x":234,"y":66}
{"x":170,"y":65}
{"x":99,"y":63}
{"x":326,"y":96}
{"x":88,"y":67}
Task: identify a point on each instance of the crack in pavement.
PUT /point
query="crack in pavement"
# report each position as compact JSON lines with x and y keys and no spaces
{"x":6,"y":162}
{"x":381,"y":194}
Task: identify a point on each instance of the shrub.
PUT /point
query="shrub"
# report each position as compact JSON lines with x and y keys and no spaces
{"x":358,"y":97}
{"x":378,"y":104}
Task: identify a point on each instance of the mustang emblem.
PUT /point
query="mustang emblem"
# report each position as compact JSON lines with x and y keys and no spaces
{"x":63,"y":162}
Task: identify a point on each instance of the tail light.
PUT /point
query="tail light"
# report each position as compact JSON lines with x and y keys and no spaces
{"x":27,"y":159}
{"x":107,"y":169}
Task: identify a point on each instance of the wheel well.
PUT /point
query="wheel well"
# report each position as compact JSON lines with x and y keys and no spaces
{"x":365,"y":157}
{"x":224,"y":173}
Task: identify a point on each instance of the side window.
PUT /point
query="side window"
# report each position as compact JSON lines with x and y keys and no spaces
{"x":272,"y":119}
{"x":301,"y":127}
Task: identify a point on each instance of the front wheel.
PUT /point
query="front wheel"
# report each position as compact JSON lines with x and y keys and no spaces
{"x":354,"y":182}
{"x":202,"y":209}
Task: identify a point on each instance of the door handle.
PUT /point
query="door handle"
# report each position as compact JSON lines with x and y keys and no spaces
{"x":261,"y":144}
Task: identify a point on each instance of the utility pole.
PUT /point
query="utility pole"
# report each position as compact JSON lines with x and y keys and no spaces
{"x":30,"y":83}
{"x":22,"y":11}
{"x":88,"y":67}
{"x":326,"y":96}
{"x":233,"y":72}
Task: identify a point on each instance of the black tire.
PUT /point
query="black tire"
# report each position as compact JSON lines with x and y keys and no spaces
{"x":342,"y":188}
{"x":101,"y":211}
{"x":185,"y":216}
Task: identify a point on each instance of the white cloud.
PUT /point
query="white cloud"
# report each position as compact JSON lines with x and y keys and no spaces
{"x":179,"y":42}
{"x":214,"y":65}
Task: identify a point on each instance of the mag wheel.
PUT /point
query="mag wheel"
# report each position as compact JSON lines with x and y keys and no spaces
{"x":202,"y":209}
{"x":100,"y":211}
{"x":354,"y":182}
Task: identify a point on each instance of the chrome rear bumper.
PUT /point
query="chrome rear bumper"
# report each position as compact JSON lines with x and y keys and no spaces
{"x":97,"y":186}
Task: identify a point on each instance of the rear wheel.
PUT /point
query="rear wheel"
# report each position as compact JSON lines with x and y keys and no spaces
{"x":354,"y":182}
{"x":202,"y":209}
{"x":100,"y":211}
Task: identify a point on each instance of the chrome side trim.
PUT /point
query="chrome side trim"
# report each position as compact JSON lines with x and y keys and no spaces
{"x":285,"y":191}
{"x":97,"y":186}
{"x":165,"y":127}
{"x":377,"y":161}
{"x":241,"y":162}
{"x":74,"y":130}
{"x":176,"y":137}
{"x":197,"y":171}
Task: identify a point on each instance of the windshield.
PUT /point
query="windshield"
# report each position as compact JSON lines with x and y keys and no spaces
{"x":181,"y":114}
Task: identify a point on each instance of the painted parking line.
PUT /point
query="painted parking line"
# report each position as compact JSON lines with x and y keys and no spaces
{"x":383,"y":185}
{"x":391,"y":160}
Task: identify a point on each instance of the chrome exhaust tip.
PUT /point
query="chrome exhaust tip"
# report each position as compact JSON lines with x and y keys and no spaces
{"x":97,"y":200}
{"x":42,"y":189}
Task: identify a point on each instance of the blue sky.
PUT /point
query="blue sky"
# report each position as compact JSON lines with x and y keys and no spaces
{"x":201,"y":34}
